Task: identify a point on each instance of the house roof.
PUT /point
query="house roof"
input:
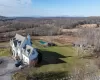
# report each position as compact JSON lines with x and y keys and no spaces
{"x":20,"y":39}
{"x":33,"y":55}
{"x":30,"y":52}
{"x":30,"y":48}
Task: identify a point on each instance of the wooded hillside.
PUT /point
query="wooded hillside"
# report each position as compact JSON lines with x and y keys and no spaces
{"x":41,"y":26}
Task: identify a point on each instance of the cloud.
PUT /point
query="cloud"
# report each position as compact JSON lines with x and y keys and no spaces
{"x":22,"y":8}
{"x":16,"y":2}
{"x":17,"y":8}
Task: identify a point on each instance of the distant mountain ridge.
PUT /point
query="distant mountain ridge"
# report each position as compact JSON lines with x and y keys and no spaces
{"x":3,"y":18}
{"x":40,"y":18}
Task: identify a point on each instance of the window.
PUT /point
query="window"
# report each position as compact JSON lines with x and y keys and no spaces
{"x":24,"y":47}
{"x":33,"y":52}
{"x":28,"y":50}
{"x":14,"y":53}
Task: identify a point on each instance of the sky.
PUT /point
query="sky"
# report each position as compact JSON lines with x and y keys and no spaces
{"x":36,"y":8}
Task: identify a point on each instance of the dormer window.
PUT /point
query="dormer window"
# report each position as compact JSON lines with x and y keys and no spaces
{"x":24,"y":47}
{"x":15,"y":43}
{"x":14,"y":38}
{"x":33,"y":52}
{"x":19,"y":42}
{"x":28,"y":50}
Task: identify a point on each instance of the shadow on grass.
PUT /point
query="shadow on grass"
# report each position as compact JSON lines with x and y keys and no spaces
{"x":48,"y":76}
{"x":48,"y":57}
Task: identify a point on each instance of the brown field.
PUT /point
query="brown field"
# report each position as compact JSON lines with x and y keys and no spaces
{"x":60,"y":39}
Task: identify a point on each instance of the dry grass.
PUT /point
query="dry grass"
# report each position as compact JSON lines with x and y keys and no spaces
{"x":60,"y":39}
{"x":5,"y":52}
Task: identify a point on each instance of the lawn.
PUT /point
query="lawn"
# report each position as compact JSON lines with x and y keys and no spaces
{"x":4,"y":52}
{"x":55,"y":59}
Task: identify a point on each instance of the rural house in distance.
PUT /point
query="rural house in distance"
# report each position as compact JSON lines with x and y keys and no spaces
{"x":22,"y":50}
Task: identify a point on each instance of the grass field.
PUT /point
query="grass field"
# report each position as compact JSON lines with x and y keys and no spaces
{"x":4,"y":49}
{"x":55,"y":59}
{"x":5,"y":52}
{"x":58,"y":60}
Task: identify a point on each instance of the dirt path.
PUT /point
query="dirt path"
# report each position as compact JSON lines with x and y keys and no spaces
{"x":7,"y":68}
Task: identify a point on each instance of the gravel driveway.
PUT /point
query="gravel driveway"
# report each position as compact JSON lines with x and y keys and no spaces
{"x":7,"y":67}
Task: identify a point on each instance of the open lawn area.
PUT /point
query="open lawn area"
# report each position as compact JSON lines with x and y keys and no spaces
{"x":4,"y":52}
{"x":57,"y":62}
{"x":4,"y":49}
{"x":56,"y":59}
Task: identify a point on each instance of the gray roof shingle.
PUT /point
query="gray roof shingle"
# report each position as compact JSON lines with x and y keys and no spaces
{"x":20,"y":39}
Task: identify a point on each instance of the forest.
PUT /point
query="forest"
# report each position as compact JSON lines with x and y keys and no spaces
{"x":42,"y":26}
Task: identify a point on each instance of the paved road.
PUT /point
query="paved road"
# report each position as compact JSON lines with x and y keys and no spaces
{"x":7,"y":67}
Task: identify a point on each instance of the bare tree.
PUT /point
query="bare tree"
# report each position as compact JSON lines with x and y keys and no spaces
{"x":89,"y":39}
